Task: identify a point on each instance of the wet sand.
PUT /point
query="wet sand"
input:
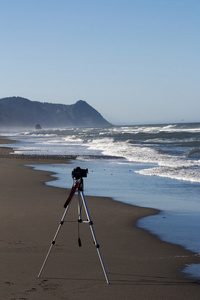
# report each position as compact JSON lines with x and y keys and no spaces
{"x":138,"y":264}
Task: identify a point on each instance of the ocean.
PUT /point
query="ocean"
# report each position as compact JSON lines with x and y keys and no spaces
{"x":154,"y":166}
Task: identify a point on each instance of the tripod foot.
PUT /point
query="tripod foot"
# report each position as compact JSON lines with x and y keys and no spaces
{"x":79,"y":242}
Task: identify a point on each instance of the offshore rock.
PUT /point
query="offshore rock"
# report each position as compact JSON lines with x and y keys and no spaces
{"x":37,"y":126}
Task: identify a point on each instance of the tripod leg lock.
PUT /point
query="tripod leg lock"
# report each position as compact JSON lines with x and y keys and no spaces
{"x":97,"y":246}
{"x":90,"y":223}
{"x":61,"y":222}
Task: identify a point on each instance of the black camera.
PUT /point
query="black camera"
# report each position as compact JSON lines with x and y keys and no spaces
{"x":79,"y":173}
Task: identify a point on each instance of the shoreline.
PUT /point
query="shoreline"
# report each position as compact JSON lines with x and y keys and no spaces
{"x":133,"y":257}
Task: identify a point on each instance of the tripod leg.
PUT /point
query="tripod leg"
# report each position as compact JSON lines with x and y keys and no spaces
{"x":93,"y":235}
{"x":79,"y":218}
{"x":54,"y":240}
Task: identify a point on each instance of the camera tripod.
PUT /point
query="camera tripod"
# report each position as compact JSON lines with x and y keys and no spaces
{"x":81,"y":200}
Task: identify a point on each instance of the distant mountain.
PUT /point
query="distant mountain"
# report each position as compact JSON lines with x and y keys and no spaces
{"x":21,"y":112}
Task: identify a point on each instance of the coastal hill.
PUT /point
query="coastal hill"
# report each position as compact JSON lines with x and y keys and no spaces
{"x":21,"y":112}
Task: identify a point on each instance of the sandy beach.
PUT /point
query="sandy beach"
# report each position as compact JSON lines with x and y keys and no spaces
{"x":139,"y":265}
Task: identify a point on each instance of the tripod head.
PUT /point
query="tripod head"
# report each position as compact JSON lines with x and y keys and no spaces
{"x":79,"y":173}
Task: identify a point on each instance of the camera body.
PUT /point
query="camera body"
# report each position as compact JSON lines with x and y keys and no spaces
{"x":78,"y":173}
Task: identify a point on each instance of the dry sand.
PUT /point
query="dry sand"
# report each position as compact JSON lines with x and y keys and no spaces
{"x":139,"y":265}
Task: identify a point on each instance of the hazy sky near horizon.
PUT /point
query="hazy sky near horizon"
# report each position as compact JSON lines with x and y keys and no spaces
{"x":135,"y":61}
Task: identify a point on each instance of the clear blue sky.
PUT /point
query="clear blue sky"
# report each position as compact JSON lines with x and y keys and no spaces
{"x":135,"y":61}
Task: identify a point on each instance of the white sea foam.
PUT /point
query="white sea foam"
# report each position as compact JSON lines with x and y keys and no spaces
{"x":173,"y":148}
{"x":174,"y":173}
{"x":170,"y":166}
